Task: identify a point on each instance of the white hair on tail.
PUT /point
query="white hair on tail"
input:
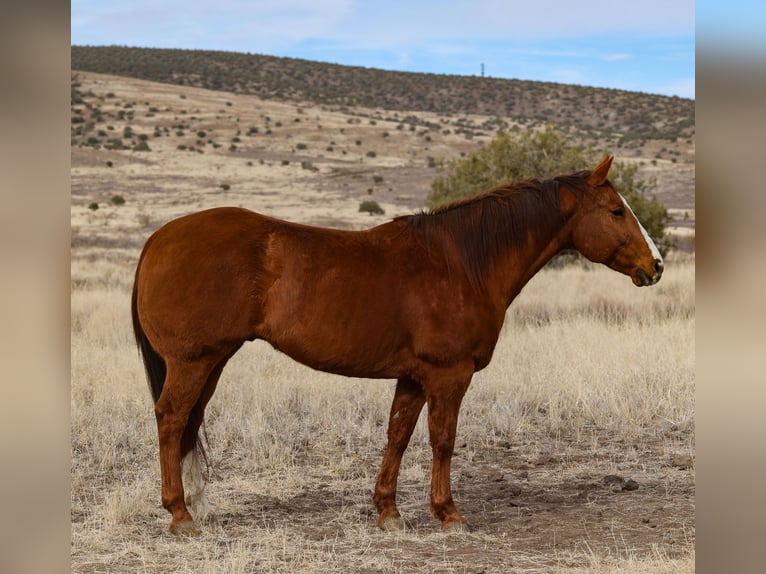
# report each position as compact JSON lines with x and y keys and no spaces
{"x":194,"y":486}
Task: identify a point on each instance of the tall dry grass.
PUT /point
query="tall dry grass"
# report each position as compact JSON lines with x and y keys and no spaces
{"x":586,"y":363}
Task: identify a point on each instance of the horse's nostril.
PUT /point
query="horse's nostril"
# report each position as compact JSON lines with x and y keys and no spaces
{"x":658,"y":266}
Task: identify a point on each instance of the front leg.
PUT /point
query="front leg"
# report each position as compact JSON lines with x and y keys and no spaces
{"x":405,"y":409}
{"x":444,"y":398}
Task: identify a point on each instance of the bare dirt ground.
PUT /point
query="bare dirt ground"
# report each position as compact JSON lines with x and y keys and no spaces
{"x":535,"y":515}
{"x":603,"y":497}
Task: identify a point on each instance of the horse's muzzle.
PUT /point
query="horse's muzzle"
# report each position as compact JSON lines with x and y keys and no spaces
{"x":643,"y":279}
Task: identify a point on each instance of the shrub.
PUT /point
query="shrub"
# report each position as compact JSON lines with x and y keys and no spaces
{"x":507,"y":158}
{"x":115,"y":143}
{"x":372,"y":207}
{"x":652,"y":214}
{"x":541,"y":154}
{"x":118,"y":200}
{"x":93,"y":206}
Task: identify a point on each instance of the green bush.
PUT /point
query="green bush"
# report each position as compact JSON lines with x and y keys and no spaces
{"x":372,"y":207}
{"x":542,"y":154}
{"x":652,"y":214}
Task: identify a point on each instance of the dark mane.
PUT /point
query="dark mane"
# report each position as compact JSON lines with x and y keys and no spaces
{"x":483,"y":226}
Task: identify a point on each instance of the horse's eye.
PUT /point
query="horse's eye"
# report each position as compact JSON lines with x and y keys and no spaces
{"x":619,"y":212}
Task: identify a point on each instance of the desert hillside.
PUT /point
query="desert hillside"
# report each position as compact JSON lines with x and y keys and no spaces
{"x":173,"y":146}
{"x":630,"y":118}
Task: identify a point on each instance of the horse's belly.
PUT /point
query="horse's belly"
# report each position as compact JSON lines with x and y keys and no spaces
{"x":341,"y":356}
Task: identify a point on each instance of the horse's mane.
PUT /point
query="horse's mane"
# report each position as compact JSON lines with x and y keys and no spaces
{"x":483,"y":226}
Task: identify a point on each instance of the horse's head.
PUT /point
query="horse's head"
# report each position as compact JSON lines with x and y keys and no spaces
{"x":605,"y":230}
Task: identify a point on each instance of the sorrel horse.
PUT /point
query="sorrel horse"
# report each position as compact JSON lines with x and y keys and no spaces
{"x":420,"y":299}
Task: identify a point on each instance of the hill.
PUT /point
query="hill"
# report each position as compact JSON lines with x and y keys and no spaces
{"x":289,"y":147}
{"x":628,"y":116}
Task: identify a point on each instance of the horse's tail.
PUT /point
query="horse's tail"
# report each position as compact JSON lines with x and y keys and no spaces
{"x":154,"y":364}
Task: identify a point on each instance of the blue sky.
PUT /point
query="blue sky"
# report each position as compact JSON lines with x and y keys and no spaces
{"x":736,"y":28}
{"x":639,"y":45}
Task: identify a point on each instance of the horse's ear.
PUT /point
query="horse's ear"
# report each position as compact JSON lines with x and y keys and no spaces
{"x":598,"y":175}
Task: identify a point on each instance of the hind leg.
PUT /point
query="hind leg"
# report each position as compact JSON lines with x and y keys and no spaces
{"x":191,"y":450}
{"x":184,"y":385}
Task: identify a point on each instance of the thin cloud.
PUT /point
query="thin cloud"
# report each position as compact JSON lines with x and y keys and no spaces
{"x":546,"y":39}
{"x":385,"y":25}
{"x":616,"y":57}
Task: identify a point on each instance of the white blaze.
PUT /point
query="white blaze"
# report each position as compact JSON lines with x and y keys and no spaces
{"x":649,"y":242}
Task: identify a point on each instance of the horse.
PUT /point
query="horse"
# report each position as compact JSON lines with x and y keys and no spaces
{"x":420,"y":299}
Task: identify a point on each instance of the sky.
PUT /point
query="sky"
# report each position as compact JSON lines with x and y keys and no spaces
{"x":638,"y":45}
{"x":735,"y":28}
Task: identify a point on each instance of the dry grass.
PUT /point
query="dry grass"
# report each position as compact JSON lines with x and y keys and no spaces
{"x":591,"y":377}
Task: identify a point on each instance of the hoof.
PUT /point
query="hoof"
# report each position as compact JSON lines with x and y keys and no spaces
{"x":392,"y":524}
{"x":188,"y":528}
{"x":456,"y":528}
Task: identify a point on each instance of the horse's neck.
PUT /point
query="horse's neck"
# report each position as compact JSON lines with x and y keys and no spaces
{"x":518,"y":266}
